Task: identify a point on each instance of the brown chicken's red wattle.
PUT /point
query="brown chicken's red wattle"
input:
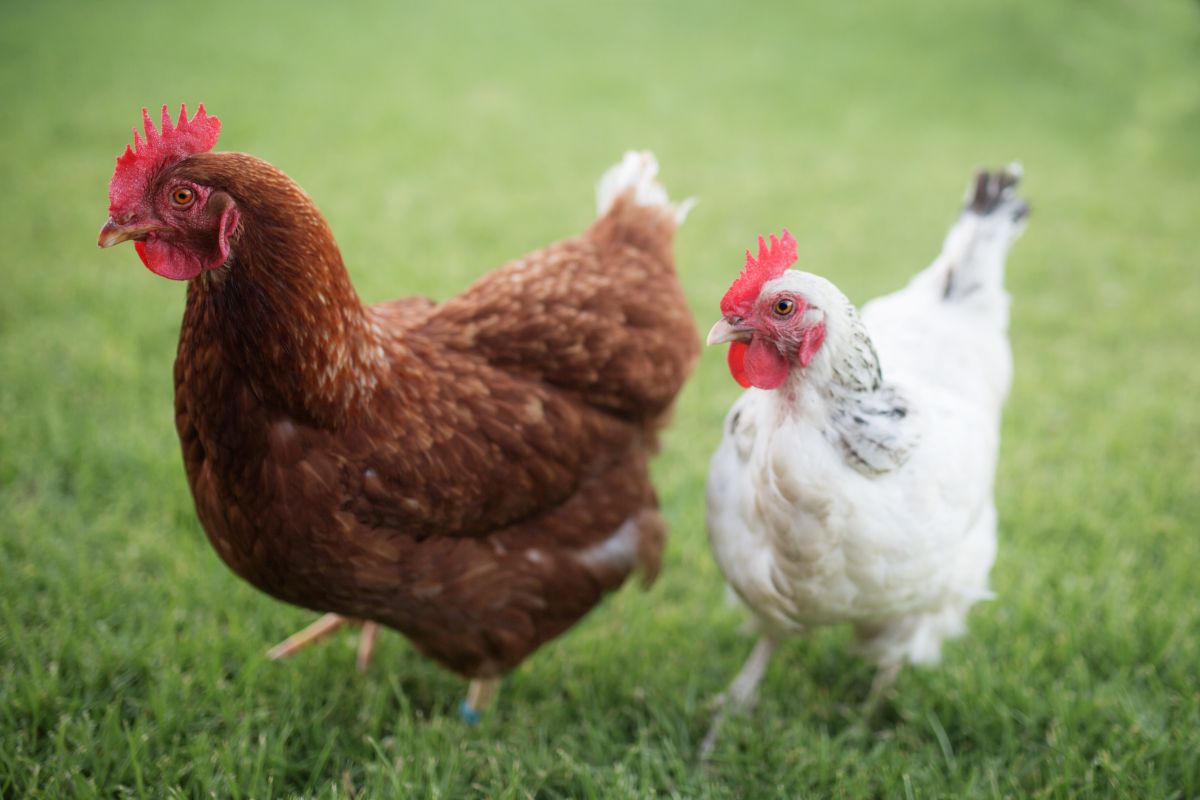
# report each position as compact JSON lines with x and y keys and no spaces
{"x":183,"y":264}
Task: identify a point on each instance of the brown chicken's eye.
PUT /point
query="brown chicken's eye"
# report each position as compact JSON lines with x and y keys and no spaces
{"x":182,"y":197}
{"x":784,"y":306}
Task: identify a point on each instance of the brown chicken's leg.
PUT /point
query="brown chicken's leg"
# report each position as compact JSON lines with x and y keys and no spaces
{"x":479,"y":695}
{"x":322,"y":628}
{"x":366,"y":646}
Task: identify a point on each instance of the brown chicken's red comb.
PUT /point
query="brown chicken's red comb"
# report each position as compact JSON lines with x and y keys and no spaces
{"x":772,"y":262}
{"x":139,"y":161}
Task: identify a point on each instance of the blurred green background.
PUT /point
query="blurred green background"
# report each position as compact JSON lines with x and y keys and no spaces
{"x":441,"y":140}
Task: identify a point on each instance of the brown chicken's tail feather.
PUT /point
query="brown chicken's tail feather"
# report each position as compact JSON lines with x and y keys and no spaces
{"x":636,"y":546}
{"x":634,"y":209}
{"x":652,"y":539}
{"x":636,"y":174}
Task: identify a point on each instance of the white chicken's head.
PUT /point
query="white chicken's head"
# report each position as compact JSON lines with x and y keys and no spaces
{"x":774,"y":319}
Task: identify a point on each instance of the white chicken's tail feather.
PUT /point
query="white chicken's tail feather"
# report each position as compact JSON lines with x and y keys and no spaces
{"x":971,"y":264}
{"x":638,"y":171}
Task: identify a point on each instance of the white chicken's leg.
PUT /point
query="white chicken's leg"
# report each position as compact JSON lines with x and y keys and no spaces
{"x":885,"y":676}
{"x":479,"y":695}
{"x":742,"y":693}
{"x":322,"y":628}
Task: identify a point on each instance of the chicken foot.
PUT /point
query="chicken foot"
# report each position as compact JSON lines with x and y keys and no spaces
{"x":741,"y":694}
{"x":885,"y":676}
{"x":480,"y":693}
{"x":324,"y":627}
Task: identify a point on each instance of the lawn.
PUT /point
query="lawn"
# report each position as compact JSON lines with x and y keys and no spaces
{"x":441,"y":140}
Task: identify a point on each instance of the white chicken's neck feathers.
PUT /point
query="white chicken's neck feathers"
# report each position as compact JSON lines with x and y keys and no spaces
{"x":855,"y":363}
{"x":866,"y":418}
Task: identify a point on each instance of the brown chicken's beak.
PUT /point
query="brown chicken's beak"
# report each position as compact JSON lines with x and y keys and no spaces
{"x":726,"y":331}
{"x":115,"y":233}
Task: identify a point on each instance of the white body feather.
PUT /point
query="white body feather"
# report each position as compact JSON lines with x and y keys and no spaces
{"x":840,"y":497}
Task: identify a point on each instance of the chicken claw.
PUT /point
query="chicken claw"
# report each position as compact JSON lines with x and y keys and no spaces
{"x":479,"y":695}
{"x":322,"y":628}
{"x":885,"y":678}
{"x":366,"y":646}
{"x":741,"y":694}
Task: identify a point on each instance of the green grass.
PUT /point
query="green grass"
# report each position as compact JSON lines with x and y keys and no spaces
{"x":441,"y":141}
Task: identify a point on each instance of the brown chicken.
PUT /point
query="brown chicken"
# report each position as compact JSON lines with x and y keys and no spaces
{"x":473,"y":473}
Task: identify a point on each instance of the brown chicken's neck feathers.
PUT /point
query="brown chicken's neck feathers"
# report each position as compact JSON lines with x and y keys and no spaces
{"x":283,"y":310}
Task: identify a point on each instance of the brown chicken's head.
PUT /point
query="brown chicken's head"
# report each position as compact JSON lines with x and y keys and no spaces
{"x":770,"y":319}
{"x":179,"y":227}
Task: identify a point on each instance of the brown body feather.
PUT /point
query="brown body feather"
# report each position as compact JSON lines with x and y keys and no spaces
{"x":451,"y":471}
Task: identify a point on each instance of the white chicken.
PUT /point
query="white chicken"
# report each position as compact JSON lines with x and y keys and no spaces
{"x":854,"y":480}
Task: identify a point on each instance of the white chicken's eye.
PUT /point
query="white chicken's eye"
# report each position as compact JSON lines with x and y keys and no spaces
{"x":182,"y":197}
{"x":784,"y":306}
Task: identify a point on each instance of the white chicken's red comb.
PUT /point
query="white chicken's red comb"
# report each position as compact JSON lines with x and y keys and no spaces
{"x":174,"y":141}
{"x":772,"y":262}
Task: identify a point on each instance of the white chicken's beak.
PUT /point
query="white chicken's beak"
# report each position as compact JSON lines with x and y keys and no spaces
{"x":725,"y":331}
